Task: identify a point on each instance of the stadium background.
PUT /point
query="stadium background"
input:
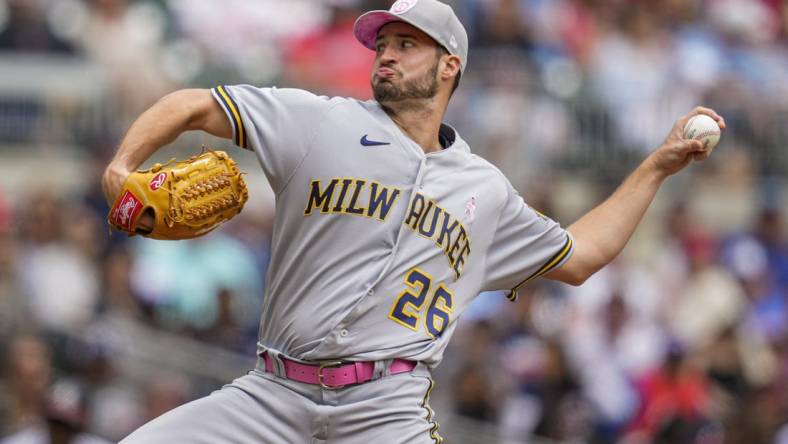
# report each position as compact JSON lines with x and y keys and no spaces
{"x":683,"y":339}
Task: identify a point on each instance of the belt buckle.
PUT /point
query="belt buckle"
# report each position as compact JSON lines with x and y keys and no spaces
{"x":320,"y":368}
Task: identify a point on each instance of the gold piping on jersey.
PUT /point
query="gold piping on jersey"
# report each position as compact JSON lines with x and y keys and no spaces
{"x":547,"y":267}
{"x":232,"y":107}
{"x":424,"y":404}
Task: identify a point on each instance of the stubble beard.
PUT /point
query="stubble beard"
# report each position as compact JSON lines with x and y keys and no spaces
{"x":423,"y":88}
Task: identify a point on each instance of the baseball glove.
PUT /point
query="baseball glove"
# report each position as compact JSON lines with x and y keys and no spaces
{"x":187,"y":198}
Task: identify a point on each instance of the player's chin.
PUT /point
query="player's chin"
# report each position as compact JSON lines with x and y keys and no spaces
{"x":384,"y":90}
{"x":377,"y":80}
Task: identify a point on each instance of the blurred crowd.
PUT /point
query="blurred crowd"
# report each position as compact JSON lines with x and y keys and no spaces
{"x":685,"y":344}
{"x":548,"y":80}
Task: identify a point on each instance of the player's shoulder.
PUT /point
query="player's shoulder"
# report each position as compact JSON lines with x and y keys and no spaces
{"x":343,"y":105}
{"x":289,"y":96}
{"x":494,"y":174}
{"x":303,"y":94}
{"x":297,"y":96}
{"x":461,"y":152}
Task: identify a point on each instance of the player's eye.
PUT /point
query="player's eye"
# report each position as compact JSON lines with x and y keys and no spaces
{"x":406,"y":44}
{"x":379,"y":48}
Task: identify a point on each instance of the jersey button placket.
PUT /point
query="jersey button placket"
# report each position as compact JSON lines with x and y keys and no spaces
{"x":343,"y":333}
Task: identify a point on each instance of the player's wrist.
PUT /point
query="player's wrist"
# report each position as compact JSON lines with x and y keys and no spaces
{"x":112,"y":181}
{"x":117,"y":168}
{"x":653,"y":169}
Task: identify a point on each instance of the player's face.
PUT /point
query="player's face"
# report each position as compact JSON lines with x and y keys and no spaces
{"x":406,"y":64}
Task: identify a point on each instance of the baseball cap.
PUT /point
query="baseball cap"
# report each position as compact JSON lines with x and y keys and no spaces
{"x":436,"y":19}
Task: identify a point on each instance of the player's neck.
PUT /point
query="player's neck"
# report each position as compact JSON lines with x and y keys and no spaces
{"x":420,"y":121}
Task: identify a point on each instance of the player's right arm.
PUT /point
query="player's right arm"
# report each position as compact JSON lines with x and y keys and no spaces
{"x":601,"y":234}
{"x":172,"y":115}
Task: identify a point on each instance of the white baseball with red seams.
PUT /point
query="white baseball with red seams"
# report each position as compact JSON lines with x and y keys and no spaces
{"x":703,"y":128}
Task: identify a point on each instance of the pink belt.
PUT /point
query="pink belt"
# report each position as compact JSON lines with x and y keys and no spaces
{"x":335,"y":374}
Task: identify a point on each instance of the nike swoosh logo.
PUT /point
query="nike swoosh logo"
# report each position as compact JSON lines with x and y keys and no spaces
{"x":367,"y":142}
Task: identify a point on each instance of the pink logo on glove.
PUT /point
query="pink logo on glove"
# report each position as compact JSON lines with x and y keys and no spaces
{"x":158,"y":181}
{"x":126,"y":210}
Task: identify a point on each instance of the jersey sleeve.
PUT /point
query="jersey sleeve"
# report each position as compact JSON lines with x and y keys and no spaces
{"x":526,"y":245}
{"x":278,"y":124}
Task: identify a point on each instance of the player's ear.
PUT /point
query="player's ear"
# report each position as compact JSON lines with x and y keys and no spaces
{"x":449,"y":67}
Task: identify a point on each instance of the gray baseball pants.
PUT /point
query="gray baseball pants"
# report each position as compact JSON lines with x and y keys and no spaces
{"x":261,"y":408}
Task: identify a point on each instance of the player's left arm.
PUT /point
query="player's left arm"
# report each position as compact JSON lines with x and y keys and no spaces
{"x":601,"y":234}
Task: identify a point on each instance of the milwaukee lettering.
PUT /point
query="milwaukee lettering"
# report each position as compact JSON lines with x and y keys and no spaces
{"x":360,"y":197}
{"x":428,"y":219}
{"x":363,"y":197}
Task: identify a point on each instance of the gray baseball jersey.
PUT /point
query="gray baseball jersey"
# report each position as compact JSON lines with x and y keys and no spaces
{"x":378,"y":248}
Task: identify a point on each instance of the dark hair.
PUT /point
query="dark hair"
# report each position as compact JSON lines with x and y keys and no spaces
{"x":442,"y":52}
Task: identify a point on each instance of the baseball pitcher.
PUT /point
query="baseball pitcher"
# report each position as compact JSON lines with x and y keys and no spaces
{"x":387,"y":226}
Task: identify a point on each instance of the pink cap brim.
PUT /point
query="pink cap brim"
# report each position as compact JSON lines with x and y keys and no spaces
{"x":367,"y":26}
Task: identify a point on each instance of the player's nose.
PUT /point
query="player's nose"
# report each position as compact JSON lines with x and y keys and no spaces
{"x":387,"y":55}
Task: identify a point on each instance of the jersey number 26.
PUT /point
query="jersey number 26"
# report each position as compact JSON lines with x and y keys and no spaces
{"x":408,"y":306}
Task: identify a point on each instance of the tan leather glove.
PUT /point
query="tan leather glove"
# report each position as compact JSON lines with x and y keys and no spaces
{"x":186,"y":199}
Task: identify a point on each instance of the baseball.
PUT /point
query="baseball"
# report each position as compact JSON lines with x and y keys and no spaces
{"x":703,"y":128}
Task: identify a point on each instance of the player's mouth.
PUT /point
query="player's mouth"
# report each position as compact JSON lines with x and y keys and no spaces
{"x":384,"y":73}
